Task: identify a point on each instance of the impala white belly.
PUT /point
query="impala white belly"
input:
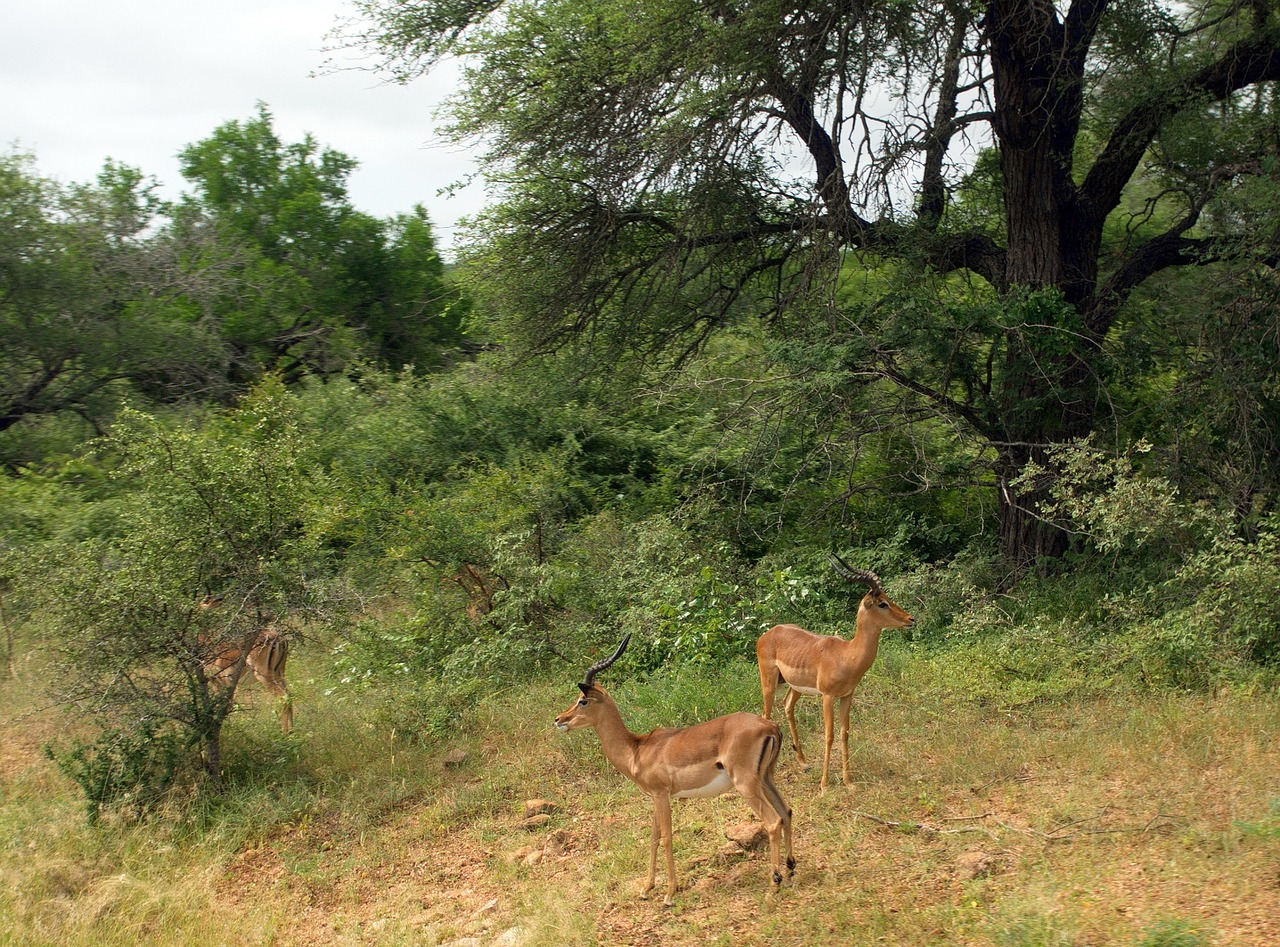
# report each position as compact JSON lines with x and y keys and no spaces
{"x":813,"y":691}
{"x":717,"y":787}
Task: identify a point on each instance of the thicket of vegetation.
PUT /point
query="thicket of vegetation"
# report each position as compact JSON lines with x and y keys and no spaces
{"x":447,"y":483}
{"x":444,"y":531}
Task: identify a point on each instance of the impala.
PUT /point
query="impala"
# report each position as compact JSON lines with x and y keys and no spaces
{"x":734,"y":752}
{"x":224,"y":663}
{"x":826,"y":665}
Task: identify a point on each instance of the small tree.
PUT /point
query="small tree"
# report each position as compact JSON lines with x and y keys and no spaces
{"x":312,"y":282}
{"x":216,"y":509}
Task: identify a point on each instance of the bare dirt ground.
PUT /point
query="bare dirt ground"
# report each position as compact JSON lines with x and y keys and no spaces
{"x":1085,"y":850}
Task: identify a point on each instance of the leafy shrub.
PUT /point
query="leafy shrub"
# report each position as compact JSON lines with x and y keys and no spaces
{"x":716,"y":621}
{"x":127,"y":769}
{"x":1162,"y":590}
{"x":214,"y":509}
{"x":437,"y":707}
{"x":1237,"y":603}
{"x":1216,"y":619}
{"x":1108,"y":502}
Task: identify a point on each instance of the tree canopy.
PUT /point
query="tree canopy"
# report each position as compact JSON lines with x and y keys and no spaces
{"x":316,"y":282}
{"x":108,"y":292}
{"x":673,"y":168}
{"x":82,"y":308}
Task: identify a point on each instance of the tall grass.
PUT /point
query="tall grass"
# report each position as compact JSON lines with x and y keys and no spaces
{"x":1105,"y":817}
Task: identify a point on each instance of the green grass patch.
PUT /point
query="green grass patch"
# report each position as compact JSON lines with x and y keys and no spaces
{"x":1101,"y":817}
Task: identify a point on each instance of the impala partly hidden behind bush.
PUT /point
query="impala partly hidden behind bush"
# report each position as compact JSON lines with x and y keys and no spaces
{"x":264,"y":654}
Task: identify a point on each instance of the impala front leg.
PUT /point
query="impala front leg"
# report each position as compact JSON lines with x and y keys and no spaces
{"x":662,"y":817}
{"x":653,"y":852}
{"x":829,"y":732}
{"x":845,"y":703}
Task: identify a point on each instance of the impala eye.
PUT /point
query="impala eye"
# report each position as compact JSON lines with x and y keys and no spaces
{"x":582,"y":702}
{"x":884,"y":604}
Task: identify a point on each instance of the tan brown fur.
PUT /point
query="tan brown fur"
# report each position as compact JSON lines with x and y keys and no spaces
{"x":734,"y":752}
{"x":826,"y":665}
{"x":268,"y":653}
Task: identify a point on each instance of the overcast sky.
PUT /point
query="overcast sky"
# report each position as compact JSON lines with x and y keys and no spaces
{"x":137,"y":80}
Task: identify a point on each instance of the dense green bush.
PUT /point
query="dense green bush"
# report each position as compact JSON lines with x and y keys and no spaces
{"x":1219,"y":617}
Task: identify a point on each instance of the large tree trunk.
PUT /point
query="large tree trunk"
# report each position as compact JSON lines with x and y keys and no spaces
{"x":1049,"y":397}
{"x":1049,"y":393}
{"x":1026,"y":538}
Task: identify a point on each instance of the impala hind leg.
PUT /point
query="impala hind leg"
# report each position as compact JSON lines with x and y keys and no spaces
{"x":276,"y":687}
{"x":769,"y":681}
{"x":267,"y":662}
{"x":772,"y":810}
{"x":789,"y":709}
{"x":783,"y":810}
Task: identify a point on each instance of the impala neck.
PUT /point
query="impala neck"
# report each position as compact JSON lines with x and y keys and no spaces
{"x":618,"y":742}
{"x":865,"y":642}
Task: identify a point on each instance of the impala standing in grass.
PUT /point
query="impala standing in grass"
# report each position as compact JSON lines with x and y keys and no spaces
{"x":825,"y":665}
{"x":734,"y":752}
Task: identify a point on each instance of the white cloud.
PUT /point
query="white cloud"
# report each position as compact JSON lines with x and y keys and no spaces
{"x":137,"y":80}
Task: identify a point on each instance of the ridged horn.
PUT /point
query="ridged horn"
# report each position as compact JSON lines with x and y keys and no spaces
{"x":602,"y":664}
{"x":856,"y":575}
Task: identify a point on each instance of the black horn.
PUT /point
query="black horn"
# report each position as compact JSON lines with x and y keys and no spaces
{"x":602,"y":664}
{"x":856,"y":575}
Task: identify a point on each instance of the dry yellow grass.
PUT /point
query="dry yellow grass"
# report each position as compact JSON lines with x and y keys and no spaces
{"x":1086,"y":822}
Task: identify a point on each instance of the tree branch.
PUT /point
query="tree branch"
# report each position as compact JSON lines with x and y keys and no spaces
{"x":1253,"y":60}
{"x":833,"y":190}
{"x":933,"y":191}
{"x":963,"y":411}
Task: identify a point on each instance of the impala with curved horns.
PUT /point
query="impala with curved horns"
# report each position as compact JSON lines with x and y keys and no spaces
{"x":734,"y":752}
{"x":268,"y":650}
{"x":826,"y":665}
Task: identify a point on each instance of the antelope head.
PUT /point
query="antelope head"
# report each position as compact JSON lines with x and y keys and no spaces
{"x":583,"y":711}
{"x":876,"y":605}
